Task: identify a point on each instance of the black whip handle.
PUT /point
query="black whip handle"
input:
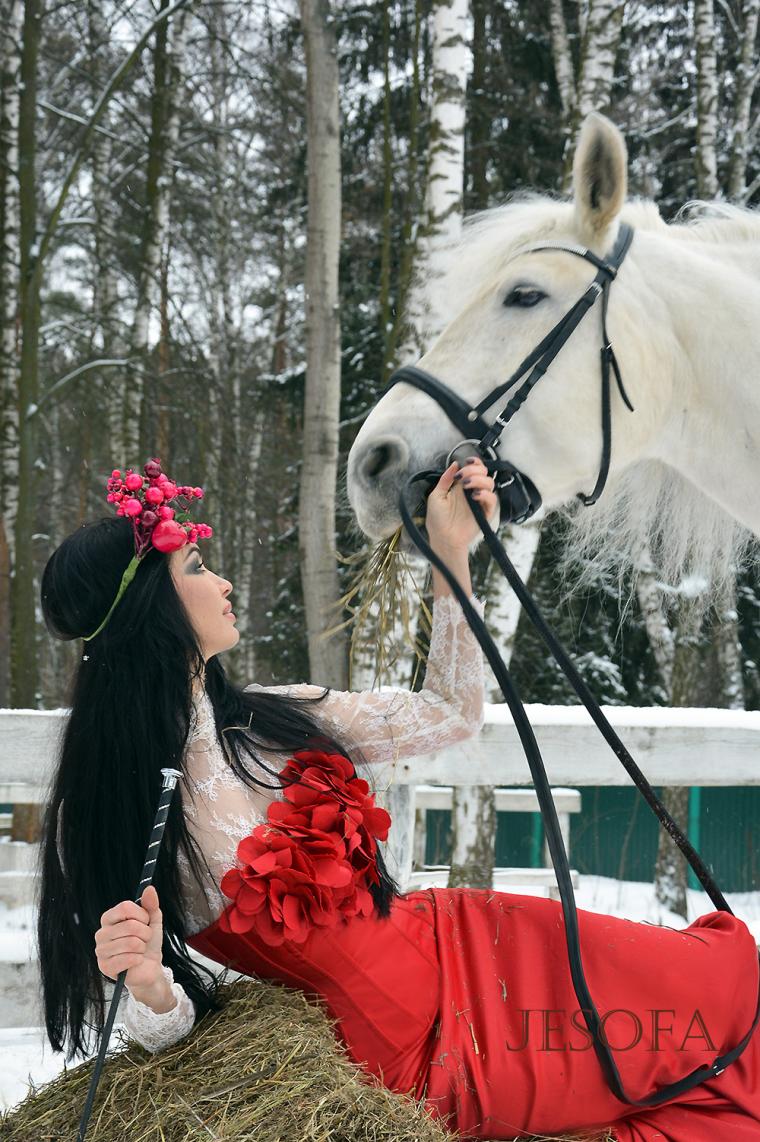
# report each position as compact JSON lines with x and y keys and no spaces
{"x":170,"y":780}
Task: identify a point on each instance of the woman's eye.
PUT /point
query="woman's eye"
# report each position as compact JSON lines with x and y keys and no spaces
{"x":524,"y":296}
{"x":200,"y":567}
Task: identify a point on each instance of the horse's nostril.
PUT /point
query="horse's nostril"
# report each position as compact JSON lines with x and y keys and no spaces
{"x":379,"y":459}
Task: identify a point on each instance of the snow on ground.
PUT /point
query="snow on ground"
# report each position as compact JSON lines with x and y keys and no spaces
{"x":26,"y":1059}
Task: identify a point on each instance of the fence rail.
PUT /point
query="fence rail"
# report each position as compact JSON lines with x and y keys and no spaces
{"x":700,"y":747}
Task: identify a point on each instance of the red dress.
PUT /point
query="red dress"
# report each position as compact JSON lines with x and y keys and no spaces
{"x":463,"y":997}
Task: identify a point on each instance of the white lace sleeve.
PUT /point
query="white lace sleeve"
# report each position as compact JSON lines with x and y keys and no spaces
{"x":392,"y":724}
{"x":153,"y":1030}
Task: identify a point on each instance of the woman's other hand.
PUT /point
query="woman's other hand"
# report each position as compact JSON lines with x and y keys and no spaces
{"x":450,"y":523}
{"x":131,"y":937}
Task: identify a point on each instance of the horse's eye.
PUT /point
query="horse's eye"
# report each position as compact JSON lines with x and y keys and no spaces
{"x":524,"y":296}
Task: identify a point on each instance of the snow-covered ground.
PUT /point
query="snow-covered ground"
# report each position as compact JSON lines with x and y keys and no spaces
{"x":25,"y":1057}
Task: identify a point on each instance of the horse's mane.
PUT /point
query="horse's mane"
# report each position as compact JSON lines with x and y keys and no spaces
{"x":650,"y":512}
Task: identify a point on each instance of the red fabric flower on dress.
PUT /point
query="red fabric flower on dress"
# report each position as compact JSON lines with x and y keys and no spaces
{"x":312,"y":861}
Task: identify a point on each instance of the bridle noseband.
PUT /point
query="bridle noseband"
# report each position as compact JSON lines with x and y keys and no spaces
{"x":519,"y":496}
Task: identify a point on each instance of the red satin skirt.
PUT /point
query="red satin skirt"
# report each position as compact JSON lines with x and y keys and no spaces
{"x":463,"y":999}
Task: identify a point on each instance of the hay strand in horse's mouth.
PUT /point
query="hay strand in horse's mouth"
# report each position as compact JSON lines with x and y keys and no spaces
{"x":388,"y":612}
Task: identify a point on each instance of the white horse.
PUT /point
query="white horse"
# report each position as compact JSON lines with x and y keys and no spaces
{"x":684,"y":320}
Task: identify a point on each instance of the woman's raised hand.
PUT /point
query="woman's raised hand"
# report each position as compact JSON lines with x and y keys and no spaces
{"x":131,"y":937}
{"x":449,"y":521}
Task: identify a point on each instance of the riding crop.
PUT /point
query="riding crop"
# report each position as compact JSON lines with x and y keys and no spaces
{"x":171,"y":776}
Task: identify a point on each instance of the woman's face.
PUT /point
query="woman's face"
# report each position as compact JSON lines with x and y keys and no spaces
{"x":204,"y":595}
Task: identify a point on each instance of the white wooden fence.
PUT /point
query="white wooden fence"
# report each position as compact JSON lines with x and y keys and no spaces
{"x":671,"y":746}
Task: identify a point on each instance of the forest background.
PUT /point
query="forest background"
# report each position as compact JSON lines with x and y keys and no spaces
{"x":154,"y":243}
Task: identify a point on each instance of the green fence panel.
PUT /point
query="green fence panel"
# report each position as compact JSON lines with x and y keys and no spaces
{"x":514,"y":838}
{"x":616,"y":835}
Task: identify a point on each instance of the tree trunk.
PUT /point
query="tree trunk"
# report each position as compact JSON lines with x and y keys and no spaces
{"x":707,"y":99}
{"x":521,"y":544}
{"x":384,"y":301}
{"x":563,"y":61}
{"x":400,"y":329}
{"x":477,"y":159}
{"x":10,"y":66}
{"x":746,"y":79}
{"x":730,"y":695}
{"x":658,"y":630}
{"x":442,"y":217}
{"x":140,"y":394}
{"x":106,"y":331}
{"x":328,"y":662}
{"x":599,"y":45}
{"x":670,"y":866}
{"x":23,"y":648}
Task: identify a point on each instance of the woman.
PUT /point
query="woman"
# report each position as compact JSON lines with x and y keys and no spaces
{"x":271,"y":865}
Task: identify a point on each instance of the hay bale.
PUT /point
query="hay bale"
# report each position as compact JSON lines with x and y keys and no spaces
{"x":267,"y":1067}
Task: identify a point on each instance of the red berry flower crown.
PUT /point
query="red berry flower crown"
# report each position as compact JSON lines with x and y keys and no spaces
{"x":147,"y":500}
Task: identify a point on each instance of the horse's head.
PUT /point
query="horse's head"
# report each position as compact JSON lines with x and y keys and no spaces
{"x":507,"y":303}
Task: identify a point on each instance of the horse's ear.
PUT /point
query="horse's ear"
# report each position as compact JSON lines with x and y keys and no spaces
{"x":600,"y":176}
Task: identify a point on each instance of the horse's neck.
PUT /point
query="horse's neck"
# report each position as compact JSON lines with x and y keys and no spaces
{"x":711,"y":430}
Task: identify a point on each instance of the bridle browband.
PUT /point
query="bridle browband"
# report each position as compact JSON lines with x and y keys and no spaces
{"x":519,"y":500}
{"x":519,"y":496}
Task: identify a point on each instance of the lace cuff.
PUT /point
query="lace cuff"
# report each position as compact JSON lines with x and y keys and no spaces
{"x":157,"y":1030}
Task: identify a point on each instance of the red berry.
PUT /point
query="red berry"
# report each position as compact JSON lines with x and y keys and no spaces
{"x":168,"y":536}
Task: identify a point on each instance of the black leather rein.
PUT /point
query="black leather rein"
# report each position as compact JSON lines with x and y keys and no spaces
{"x":520,"y":498}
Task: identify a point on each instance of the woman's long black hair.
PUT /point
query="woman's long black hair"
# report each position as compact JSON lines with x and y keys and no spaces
{"x":131,"y":703}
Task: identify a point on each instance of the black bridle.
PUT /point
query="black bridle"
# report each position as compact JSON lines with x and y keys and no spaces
{"x":519,"y":500}
{"x":518,"y":495}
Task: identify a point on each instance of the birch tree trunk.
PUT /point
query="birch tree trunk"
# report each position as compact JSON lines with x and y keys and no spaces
{"x":521,"y":544}
{"x":473,"y":813}
{"x":707,"y":99}
{"x":728,"y":651}
{"x":563,"y":61}
{"x":10,"y":66}
{"x":601,"y":26}
{"x":10,"y":63}
{"x":658,"y":630}
{"x":442,"y":215}
{"x":410,"y":231}
{"x":746,"y":80}
{"x":670,"y":878}
{"x":316,"y":509}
